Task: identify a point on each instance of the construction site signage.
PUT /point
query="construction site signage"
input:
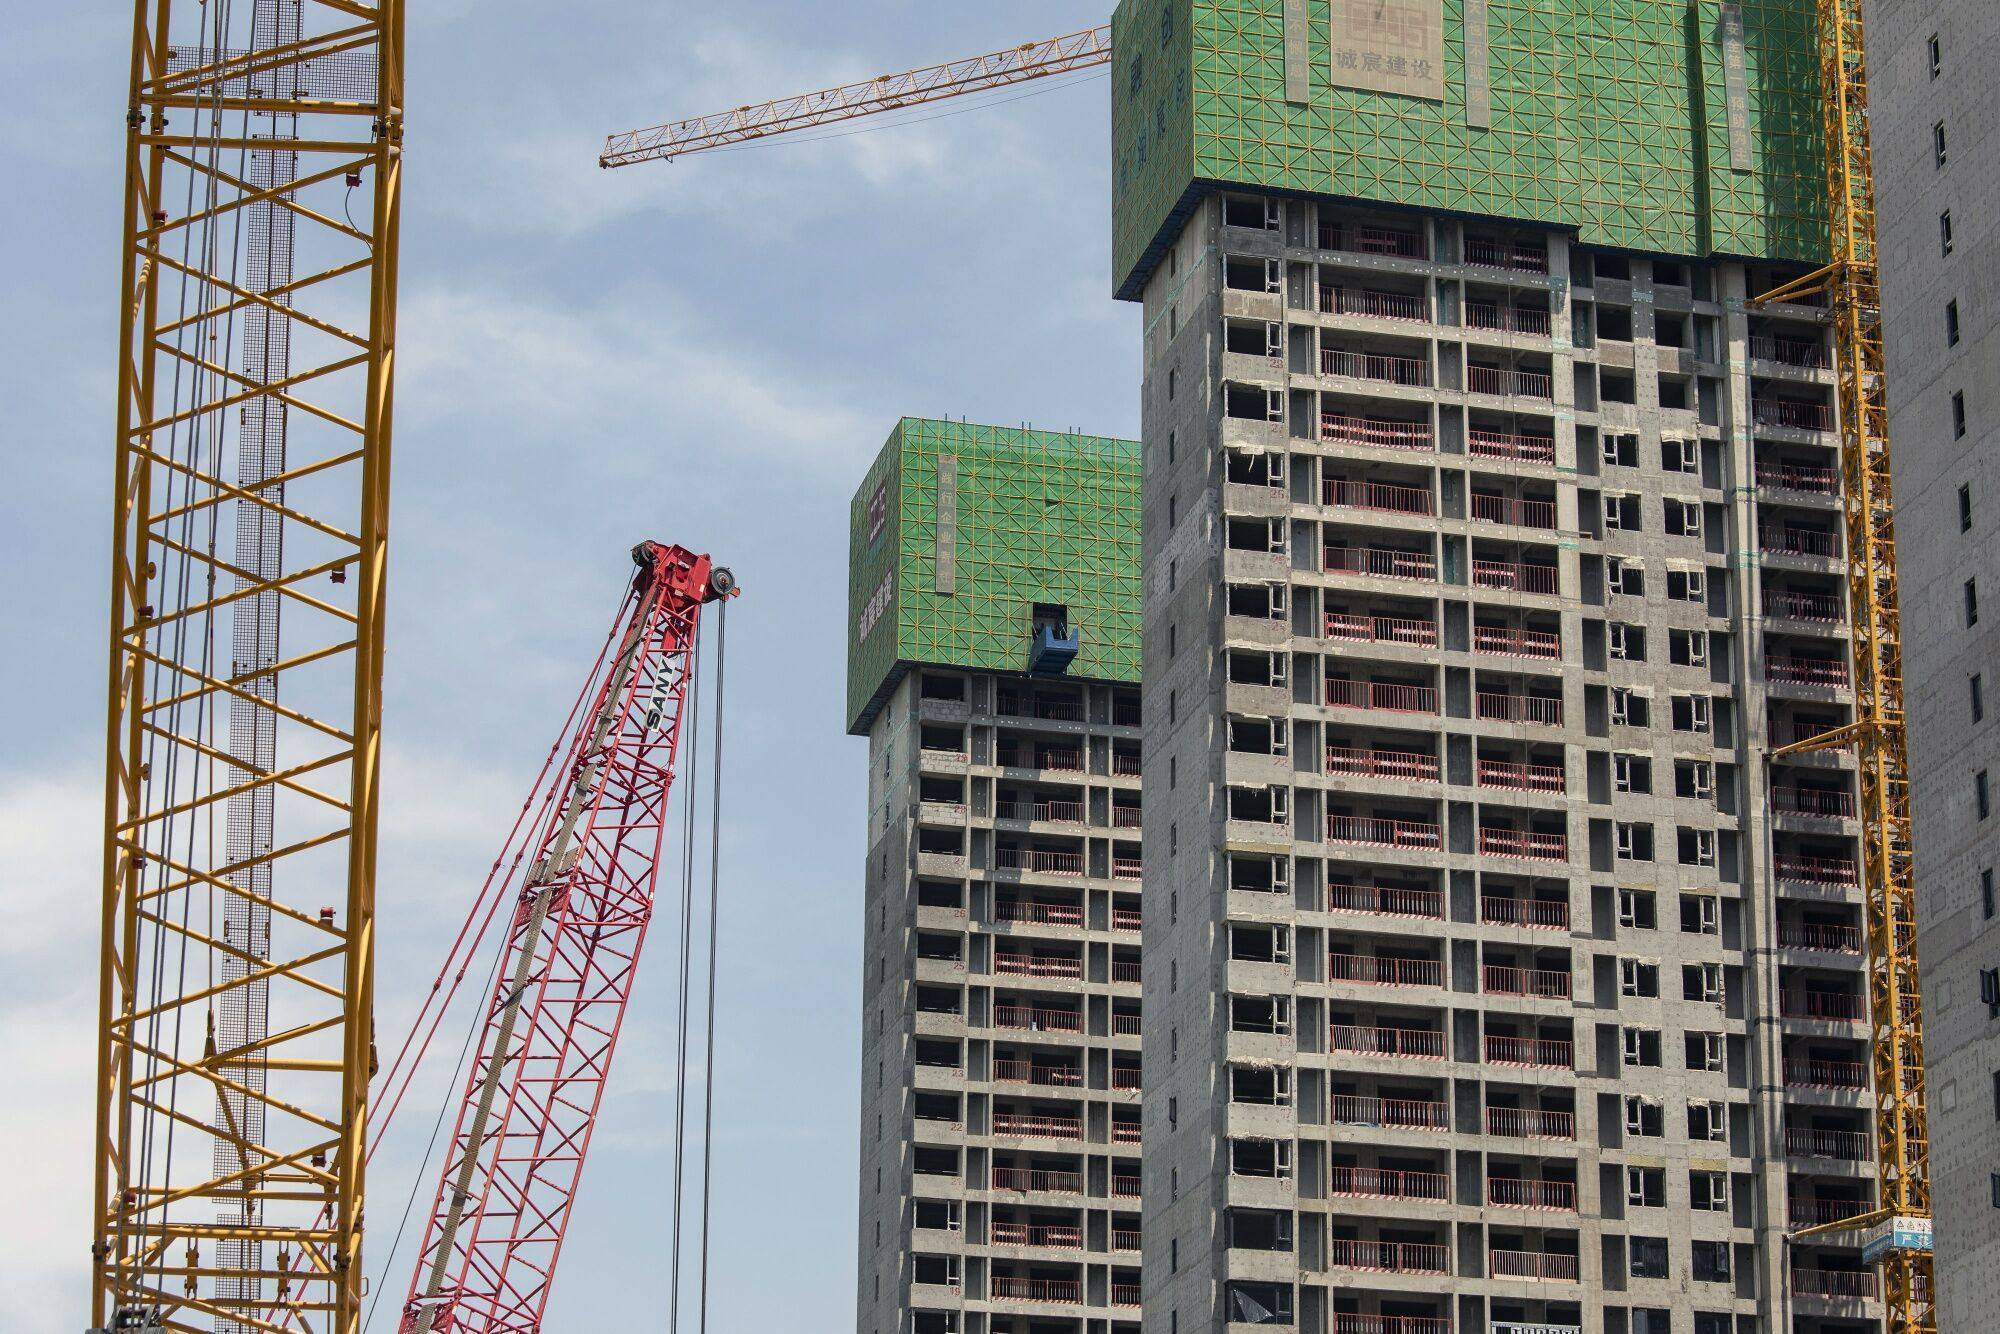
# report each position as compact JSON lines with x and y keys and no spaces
{"x":1390,"y":46}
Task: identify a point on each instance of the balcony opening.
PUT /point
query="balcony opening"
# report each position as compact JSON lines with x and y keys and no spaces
{"x":1260,"y":1230}
{"x":943,"y":687}
{"x":1260,"y":1014}
{"x":1245,"y":468}
{"x":938,"y":894}
{"x":1614,"y":323}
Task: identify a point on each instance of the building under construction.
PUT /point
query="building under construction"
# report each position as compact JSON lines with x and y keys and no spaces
{"x":1497,"y":976}
{"x":993,"y":663}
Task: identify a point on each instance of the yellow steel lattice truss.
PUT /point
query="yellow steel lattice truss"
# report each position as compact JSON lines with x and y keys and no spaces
{"x":250,"y":528}
{"x":1851,"y":287}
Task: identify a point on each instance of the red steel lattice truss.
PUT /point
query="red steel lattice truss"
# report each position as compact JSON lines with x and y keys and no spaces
{"x":565,"y":972}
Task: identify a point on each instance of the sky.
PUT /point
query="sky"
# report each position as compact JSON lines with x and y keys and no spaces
{"x":706,"y":352}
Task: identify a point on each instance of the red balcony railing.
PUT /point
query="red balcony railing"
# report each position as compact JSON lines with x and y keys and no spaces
{"x":1125,"y":1132}
{"x":1379,"y":496}
{"x":1482,"y":444}
{"x":1379,"y":562}
{"x":1824,"y":1006}
{"x":1042,"y":861}
{"x":1849,"y":1146}
{"x":1378,"y":1183}
{"x":1036,"y":1179}
{"x":1374,"y":366}
{"x":1507,"y":319}
{"x":1831,"y":803}
{"x":1037,"y":1019}
{"x":1530,"y":1123}
{"x":1041,"y":914}
{"x":1125,"y":1294}
{"x":1388,"y":900}
{"x":1548,"y":914}
{"x":1127,"y":1025}
{"x":1542,"y":983}
{"x":1059,"y":758}
{"x":1784,"y":731}
{"x":1013,"y":1071}
{"x":1794,"y":671}
{"x":1516,"y":641}
{"x":1834,"y":1284}
{"x":1124,"y":765}
{"x":1805,"y":1073}
{"x":1365,"y":301}
{"x":1816,"y":870}
{"x":1415,"y":1044}
{"x":1404,"y":765}
{"x":1521,"y":513}
{"x":1125,"y":867}
{"x":1384,"y":433}
{"x":1522,"y":578}
{"x":1807,"y":477}
{"x":1126,"y":1238}
{"x":1125,"y":1077}
{"x":1125,"y":1185}
{"x":1546,"y":1053}
{"x":1496,"y":706}
{"x":1820,"y":936}
{"x":1821,"y":607}
{"x":1360,"y":628}
{"x":1349,"y":1323}
{"x":1526,"y":843}
{"x":1789,"y":351}
{"x":1036,"y":965}
{"x":1390,"y":1113}
{"x":1370,"y":831}
{"x":1790,"y":541}
{"x":1371,"y":241}
{"x":1124,"y":970}
{"x":1817,"y":1213}
{"x":1537,"y":1265}
{"x":1054,"y":1236}
{"x":1371,"y":970}
{"x":1388,"y":1257}
{"x":1491,"y":253}
{"x":1125,"y":919}
{"x":1522,"y":777}
{"x":1030,"y":1125}
{"x":1062,"y":1291}
{"x":1125,"y":817}
{"x":1342,"y":693}
{"x":1506,"y":380}
{"x":1521,"y":1193}
{"x":1791,"y":415}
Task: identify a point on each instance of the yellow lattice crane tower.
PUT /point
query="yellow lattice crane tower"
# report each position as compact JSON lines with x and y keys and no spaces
{"x":250,"y":524}
{"x":1900,"y":1227}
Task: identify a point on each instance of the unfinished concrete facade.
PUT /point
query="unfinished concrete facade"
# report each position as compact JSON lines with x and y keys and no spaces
{"x":1001,"y":1018}
{"x":1937,"y":162}
{"x":1496,"y":979}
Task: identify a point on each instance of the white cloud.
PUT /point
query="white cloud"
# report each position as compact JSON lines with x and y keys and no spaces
{"x":638,"y":365}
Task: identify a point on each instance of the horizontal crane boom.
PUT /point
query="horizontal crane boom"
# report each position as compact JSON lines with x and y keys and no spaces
{"x":888,"y":92}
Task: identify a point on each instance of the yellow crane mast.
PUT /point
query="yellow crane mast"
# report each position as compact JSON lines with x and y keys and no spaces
{"x":250,"y":523}
{"x":1900,"y":1225}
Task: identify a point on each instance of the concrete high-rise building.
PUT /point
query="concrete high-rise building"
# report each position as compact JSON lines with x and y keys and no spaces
{"x":1496,"y":978}
{"x":993,"y":666}
{"x":1936,"y":139}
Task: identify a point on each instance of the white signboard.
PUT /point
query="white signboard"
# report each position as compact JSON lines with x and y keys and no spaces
{"x":1390,"y":46}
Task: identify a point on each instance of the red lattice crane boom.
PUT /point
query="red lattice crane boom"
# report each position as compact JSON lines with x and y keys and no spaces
{"x":888,"y":92}
{"x":565,"y":973}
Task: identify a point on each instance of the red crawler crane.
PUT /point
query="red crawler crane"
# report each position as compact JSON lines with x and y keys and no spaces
{"x":509,"y":1180}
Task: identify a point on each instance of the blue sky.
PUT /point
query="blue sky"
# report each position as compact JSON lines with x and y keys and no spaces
{"x":707,"y":352}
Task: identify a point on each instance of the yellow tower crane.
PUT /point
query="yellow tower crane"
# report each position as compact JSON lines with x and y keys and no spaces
{"x":1899,"y":1229}
{"x":250,"y":524}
